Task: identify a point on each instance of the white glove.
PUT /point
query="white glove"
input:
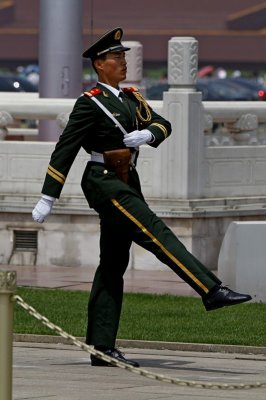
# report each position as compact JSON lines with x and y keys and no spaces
{"x":136,"y":138}
{"x":43,"y":208}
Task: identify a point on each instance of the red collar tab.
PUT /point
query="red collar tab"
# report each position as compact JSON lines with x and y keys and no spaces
{"x":93,"y":92}
{"x":130,"y":89}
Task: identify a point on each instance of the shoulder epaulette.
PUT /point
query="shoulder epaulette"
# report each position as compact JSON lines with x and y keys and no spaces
{"x":130,"y":89}
{"x":93,"y":92}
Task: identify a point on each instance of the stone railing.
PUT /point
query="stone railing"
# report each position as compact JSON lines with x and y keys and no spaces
{"x":228,"y":169}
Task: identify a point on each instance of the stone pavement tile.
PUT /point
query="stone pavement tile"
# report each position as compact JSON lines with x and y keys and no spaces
{"x":80,"y":278}
{"x":64,"y":373}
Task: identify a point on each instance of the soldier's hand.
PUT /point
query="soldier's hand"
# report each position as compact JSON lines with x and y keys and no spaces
{"x":43,"y":208}
{"x":137,"y":138}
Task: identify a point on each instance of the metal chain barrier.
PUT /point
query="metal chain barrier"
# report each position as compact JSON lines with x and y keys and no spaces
{"x":139,"y":371}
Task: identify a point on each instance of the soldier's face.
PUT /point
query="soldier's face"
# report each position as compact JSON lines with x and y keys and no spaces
{"x":113,"y":68}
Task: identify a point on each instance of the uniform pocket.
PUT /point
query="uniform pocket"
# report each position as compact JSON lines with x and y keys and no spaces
{"x":94,"y":184}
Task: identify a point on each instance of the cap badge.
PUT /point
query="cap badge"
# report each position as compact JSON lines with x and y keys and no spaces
{"x":117,"y":35}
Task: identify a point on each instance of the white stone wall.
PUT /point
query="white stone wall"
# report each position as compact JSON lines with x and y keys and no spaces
{"x":232,"y":171}
{"x":235,"y":171}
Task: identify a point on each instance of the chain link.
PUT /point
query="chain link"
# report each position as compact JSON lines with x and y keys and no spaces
{"x":139,"y":371}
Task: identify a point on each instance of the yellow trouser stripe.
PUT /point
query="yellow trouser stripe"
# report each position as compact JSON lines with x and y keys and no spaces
{"x":56,"y":175}
{"x":159,"y":244}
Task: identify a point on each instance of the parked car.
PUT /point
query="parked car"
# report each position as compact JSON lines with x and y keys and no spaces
{"x":12,"y":83}
{"x":155,"y":92}
{"x":212,"y":89}
{"x":258,"y":88}
{"x":223,"y":90}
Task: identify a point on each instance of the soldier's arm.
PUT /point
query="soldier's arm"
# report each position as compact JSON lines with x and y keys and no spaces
{"x":149,"y":119}
{"x":81,"y":121}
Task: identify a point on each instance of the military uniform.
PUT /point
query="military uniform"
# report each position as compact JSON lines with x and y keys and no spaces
{"x":123,"y":212}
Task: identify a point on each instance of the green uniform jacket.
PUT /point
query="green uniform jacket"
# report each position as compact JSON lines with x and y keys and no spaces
{"x":90,"y":128}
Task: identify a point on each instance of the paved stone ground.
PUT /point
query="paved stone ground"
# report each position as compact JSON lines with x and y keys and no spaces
{"x":63,"y":372}
{"x":80,"y":278}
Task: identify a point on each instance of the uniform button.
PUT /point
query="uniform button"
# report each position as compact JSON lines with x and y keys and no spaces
{"x":105,"y":172}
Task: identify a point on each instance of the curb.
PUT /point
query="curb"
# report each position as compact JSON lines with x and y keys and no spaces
{"x":152,"y":345}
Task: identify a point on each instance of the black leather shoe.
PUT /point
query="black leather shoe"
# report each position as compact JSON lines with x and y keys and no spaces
{"x":222,"y":297}
{"x":114,"y":353}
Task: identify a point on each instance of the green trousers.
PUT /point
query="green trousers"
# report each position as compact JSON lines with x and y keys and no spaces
{"x":123,"y":220}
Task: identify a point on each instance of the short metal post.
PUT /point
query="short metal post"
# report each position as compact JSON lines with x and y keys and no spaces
{"x":7,"y":289}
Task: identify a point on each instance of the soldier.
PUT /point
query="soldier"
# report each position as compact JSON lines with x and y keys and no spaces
{"x":111,"y":123}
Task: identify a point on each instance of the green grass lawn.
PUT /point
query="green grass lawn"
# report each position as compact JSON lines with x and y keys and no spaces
{"x":148,"y":317}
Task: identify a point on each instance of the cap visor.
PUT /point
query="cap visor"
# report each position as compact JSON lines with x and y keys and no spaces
{"x":88,"y":53}
{"x":119,"y":48}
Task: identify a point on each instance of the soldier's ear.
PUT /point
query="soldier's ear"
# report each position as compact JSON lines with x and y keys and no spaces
{"x":98,"y":64}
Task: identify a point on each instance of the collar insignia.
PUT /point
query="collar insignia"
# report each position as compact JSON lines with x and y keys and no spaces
{"x":130,"y":89}
{"x":93,"y":92}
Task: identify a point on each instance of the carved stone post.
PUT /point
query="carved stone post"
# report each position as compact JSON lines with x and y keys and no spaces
{"x":182,"y":62}
{"x":7,"y":289}
{"x":134,"y":58}
{"x":182,"y":105}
